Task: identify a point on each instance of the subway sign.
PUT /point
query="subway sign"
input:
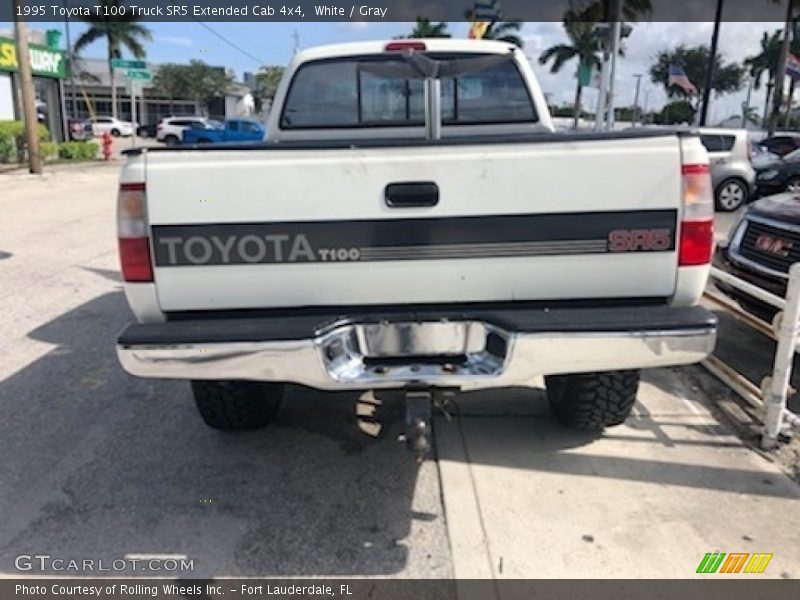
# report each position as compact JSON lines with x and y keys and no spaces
{"x":45,"y":62}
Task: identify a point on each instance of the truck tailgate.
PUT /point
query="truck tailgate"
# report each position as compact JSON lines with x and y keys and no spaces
{"x":276,"y":227}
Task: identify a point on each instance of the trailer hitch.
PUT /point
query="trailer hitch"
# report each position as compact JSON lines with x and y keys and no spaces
{"x":418,"y":422}
{"x":419,"y":403}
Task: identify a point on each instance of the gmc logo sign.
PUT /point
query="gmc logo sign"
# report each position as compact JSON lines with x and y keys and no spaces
{"x":773,"y":245}
{"x":636,"y":240}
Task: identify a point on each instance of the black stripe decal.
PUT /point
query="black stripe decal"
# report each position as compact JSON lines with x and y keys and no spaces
{"x":415,"y":239}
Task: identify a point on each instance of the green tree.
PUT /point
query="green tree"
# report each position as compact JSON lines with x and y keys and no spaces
{"x":119,"y":32}
{"x":171,"y":81}
{"x":694,"y":60}
{"x":583,"y":45}
{"x":267,"y":80}
{"x":677,"y":112}
{"x":766,"y":62}
{"x":206,"y":83}
{"x":505,"y":31}
{"x":425,"y":29}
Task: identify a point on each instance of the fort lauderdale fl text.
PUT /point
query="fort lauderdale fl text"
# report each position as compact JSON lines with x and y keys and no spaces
{"x":171,"y":590}
{"x":198,"y":10}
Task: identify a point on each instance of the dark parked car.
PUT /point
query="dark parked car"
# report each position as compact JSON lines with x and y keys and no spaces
{"x":781,"y":175}
{"x":80,"y":129}
{"x":148,"y":130}
{"x":781,"y":144}
{"x":760,"y":250}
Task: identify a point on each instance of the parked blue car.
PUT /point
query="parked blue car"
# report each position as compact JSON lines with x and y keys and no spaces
{"x":232,"y":130}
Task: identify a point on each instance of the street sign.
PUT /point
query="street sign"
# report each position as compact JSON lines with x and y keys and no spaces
{"x":141,"y":74}
{"x":120,"y":63}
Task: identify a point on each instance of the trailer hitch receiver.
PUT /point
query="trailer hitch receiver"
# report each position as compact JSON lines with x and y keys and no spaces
{"x":418,"y":423}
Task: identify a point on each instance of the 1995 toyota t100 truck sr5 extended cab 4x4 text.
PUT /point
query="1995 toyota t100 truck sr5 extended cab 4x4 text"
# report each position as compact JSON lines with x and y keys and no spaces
{"x":413,"y":222}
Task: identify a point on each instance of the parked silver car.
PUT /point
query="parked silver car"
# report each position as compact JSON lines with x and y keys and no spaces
{"x":732,"y":173}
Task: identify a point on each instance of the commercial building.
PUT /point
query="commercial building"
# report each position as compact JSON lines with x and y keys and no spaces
{"x":49,"y":66}
{"x":86,"y":92}
{"x":89,"y":94}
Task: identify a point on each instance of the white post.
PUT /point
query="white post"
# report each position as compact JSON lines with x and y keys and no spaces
{"x":133,"y":108}
{"x":775,"y":398}
{"x":616,"y":38}
{"x":433,"y":108}
{"x":600,"y":114}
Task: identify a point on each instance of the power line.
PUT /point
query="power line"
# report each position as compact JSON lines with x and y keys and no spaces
{"x":231,"y":44}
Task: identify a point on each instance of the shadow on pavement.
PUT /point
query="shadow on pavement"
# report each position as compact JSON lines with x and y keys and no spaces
{"x":643,"y":450}
{"x":99,"y":464}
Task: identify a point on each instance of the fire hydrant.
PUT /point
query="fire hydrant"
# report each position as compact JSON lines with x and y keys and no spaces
{"x":108,"y":146}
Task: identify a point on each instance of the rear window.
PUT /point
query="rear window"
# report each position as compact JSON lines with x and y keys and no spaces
{"x":345,"y":93}
{"x":718,"y":143}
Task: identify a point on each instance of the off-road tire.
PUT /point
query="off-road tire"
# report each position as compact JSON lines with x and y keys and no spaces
{"x":237,"y":405}
{"x":592,"y":401}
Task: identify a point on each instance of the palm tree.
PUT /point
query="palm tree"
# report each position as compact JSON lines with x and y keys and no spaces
{"x":119,"y":32}
{"x":505,"y":31}
{"x":425,"y":29}
{"x":584,"y":46}
{"x":766,"y":61}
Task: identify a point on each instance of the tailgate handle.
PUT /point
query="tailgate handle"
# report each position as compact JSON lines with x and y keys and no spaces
{"x":412,"y":194}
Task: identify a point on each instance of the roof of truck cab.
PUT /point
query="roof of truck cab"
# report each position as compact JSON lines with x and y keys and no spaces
{"x":378,"y":47}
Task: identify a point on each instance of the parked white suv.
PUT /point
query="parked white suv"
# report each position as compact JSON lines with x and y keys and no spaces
{"x":112,"y":125}
{"x":170,"y":130}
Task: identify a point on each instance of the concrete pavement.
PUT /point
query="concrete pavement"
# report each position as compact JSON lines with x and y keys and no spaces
{"x":527,"y":499}
{"x":99,"y":464}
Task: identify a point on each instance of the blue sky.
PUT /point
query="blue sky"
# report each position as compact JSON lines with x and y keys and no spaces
{"x":272,"y":43}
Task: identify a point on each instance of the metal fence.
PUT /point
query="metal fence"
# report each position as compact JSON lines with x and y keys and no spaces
{"x":770,"y":397}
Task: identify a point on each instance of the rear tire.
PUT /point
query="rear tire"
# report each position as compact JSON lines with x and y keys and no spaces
{"x":237,"y":405}
{"x":731,"y":195}
{"x":592,"y":401}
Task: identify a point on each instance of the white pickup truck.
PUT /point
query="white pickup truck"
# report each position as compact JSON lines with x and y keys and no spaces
{"x":413,"y":222}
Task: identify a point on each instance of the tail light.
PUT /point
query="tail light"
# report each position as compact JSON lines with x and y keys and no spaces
{"x":697,"y":226}
{"x":134,"y":244}
{"x":405,"y":46}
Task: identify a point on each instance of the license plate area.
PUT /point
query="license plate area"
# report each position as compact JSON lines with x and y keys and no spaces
{"x":436,"y":352}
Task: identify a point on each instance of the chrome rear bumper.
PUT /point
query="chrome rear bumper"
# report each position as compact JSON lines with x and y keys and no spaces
{"x":481,"y":350}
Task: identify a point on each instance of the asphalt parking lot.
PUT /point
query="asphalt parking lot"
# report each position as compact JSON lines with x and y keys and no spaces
{"x":100,"y":464}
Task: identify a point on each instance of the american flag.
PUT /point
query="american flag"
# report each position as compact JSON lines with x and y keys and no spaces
{"x":677,"y":76}
{"x":793,"y":67}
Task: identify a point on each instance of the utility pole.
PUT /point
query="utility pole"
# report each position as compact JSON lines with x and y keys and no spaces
{"x":712,"y":65}
{"x":601,"y":30}
{"x":615,"y":42}
{"x":71,"y":66}
{"x":746,"y":105}
{"x":780,"y":74}
{"x":26,"y":83}
{"x":296,"y":38}
{"x":638,"y":77}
